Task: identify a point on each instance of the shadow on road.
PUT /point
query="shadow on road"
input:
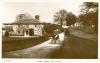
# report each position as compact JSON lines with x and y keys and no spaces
{"x":75,"y":47}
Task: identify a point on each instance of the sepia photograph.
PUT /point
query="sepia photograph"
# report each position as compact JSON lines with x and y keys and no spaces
{"x":50,"y":30}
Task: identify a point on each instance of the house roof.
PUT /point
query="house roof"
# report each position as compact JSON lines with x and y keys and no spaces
{"x":26,"y":21}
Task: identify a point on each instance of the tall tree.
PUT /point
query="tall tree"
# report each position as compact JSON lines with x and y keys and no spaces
{"x":60,"y":16}
{"x":89,"y":14}
{"x":71,"y":19}
{"x":23,"y":16}
{"x":88,"y":6}
{"x":37,"y":17}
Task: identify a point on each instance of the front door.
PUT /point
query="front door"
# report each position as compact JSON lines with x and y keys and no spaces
{"x":31,"y":32}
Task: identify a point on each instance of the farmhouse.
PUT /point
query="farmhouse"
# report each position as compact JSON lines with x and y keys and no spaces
{"x":24,"y":27}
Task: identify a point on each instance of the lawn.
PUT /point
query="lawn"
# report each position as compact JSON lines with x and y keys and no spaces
{"x":18,"y":43}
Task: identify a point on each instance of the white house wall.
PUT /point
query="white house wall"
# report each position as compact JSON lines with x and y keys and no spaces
{"x":37,"y":28}
{"x":15,"y":28}
{"x":32,"y":26}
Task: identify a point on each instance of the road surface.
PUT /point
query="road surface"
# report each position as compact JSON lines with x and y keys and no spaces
{"x":75,"y":46}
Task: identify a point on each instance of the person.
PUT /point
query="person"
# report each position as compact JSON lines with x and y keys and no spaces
{"x":55,"y":36}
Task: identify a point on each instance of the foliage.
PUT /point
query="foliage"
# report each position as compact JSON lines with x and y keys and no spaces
{"x":63,"y":16}
{"x":23,"y":16}
{"x":51,"y":27}
{"x":71,"y":19}
{"x":89,"y":14}
{"x":60,"y":16}
{"x":88,"y":6}
{"x":37,"y":17}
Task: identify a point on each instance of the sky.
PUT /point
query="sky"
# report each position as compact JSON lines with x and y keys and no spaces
{"x":46,"y":9}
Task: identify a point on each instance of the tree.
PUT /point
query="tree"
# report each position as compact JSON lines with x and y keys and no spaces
{"x":37,"y":17}
{"x":89,"y":14}
{"x":49,"y":28}
{"x":71,"y":19}
{"x":60,"y":16}
{"x":88,"y":6}
{"x":23,"y":16}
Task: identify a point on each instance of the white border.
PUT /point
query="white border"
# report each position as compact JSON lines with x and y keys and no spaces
{"x":45,"y":60}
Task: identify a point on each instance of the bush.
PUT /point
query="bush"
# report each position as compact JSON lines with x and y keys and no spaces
{"x":18,"y":43}
{"x":51,"y":27}
{"x":6,"y":33}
